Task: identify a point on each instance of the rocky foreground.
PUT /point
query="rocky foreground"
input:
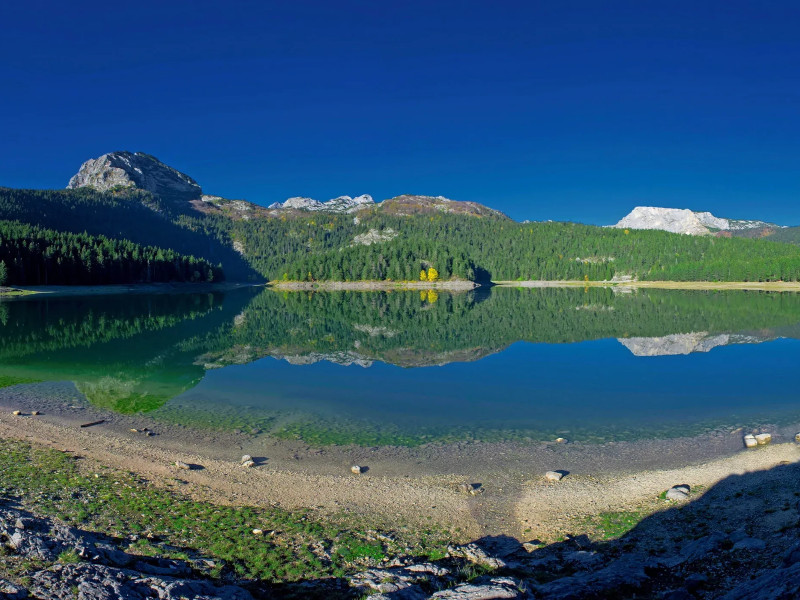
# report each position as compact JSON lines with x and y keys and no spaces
{"x":739,"y":539}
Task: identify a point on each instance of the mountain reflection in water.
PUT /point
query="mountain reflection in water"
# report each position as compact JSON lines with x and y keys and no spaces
{"x":134,"y":353}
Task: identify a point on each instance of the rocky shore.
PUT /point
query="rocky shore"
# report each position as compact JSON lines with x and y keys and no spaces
{"x":739,"y":539}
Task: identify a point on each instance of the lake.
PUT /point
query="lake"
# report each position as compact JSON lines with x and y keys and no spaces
{"x":406,"y":368}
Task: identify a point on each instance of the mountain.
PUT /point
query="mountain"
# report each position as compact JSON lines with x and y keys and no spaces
{"x":687,"y":343}
{"x":342,"y":204}
{"x":689,"y":222}
{"x":135,"y":197}
{"x":119,"y":170}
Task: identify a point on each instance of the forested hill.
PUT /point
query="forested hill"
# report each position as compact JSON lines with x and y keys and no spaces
{"x":30,"y":255}
{"x":397,"y":239}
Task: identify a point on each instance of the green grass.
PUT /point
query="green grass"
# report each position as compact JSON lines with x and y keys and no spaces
{"x":168,"y":524}
{"x":611,"y":525}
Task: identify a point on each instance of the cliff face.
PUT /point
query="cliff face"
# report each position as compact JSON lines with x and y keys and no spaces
{"x":135,"y":170}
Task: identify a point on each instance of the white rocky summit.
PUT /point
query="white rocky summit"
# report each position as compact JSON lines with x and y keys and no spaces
{"x":135,"y":170}
{"x":683,"y":220}
{"x":342,"y":204}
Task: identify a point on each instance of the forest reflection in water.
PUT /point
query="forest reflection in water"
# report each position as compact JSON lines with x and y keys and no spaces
{"x":351,"y":366}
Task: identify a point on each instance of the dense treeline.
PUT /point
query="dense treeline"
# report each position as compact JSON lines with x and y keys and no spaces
{"x":129,"y":215}
{"x":35,"y":256}
{"x":321,"y":247}
{"x":324,"y":246}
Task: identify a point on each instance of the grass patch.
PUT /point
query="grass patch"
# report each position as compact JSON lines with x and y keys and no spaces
{"x":168,"y":524}
{"x":611,"y":525}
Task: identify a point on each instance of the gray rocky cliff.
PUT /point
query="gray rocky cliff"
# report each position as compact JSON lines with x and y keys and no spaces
{"x":135,"y":170}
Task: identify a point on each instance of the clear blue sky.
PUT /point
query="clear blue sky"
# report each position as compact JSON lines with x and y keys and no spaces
{"x":543,"y":109}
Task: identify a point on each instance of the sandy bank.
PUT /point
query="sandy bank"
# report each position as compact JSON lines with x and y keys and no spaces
{"x":373,"y":286}
{"x":409,"y":486}
{"x":139,"y":288}
{"x":769,"y":286}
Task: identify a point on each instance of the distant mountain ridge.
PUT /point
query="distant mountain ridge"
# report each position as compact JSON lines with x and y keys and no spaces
{"x":120,"y":170}
{"x":136,"y":197}
{"x":686,"y":221}
{"x":342,"y":204}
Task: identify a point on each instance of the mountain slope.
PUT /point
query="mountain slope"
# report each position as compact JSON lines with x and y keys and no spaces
{"x":397,"y":239}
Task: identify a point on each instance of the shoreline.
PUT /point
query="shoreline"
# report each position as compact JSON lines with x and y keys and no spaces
{"x":381,"y":286}
{"x":373,"y":286}
{"x":124,"y":288}
{"x":768,"y":286}
{"x":404,"y":486}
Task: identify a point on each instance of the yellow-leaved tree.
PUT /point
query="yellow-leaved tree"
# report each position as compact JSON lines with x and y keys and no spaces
{"x":423,"y":276}
{"x":433,"y":274}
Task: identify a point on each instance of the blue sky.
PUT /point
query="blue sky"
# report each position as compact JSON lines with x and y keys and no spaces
{"x":545,"y":110}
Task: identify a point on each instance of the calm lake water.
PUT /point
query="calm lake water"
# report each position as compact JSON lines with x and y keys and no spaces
{"x":410,"y":367}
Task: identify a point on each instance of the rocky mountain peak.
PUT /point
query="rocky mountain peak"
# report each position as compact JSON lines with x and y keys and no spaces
{"x":135,"y":170}
{"x":674,"y":220}
{"x":342,"y":204}
{"x":683,"y":220}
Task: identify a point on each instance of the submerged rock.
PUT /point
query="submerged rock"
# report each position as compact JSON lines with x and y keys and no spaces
{"x":750,"y":441}
{"x":763,"y":438}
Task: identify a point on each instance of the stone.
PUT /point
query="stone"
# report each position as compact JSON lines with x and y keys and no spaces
{"x":762,"y":439}
{"x":182,"y":465}
{"x":258,"y":532}
{"x":750,"y":544}
{"x":355,"y":469}
{"x":246,"y":458}
{"x":626,"y":574}
{"x":561,"y":440}
{"x":695,"y":581}
{"x":583,"y":559}
{"x":482,"y":589}
{"x":554,"y":476}
{"x":249,"y":464}
{"x":9,"y":591}
{"x":477,"y":555}
{"x":35,"y":413}
{"x":750,"y":441}
{"x":678,"y":493}
{"x":772,"y":584}
{"x":797,"y":437}
{"x":16,"y":412}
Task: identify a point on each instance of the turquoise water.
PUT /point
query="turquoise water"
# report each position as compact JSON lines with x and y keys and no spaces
{"x":410,"y":367}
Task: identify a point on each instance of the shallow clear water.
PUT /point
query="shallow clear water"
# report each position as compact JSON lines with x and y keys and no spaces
{"x":409,"y":367}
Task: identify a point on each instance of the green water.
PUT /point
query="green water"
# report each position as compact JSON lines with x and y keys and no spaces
{"x":411,"y":367}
